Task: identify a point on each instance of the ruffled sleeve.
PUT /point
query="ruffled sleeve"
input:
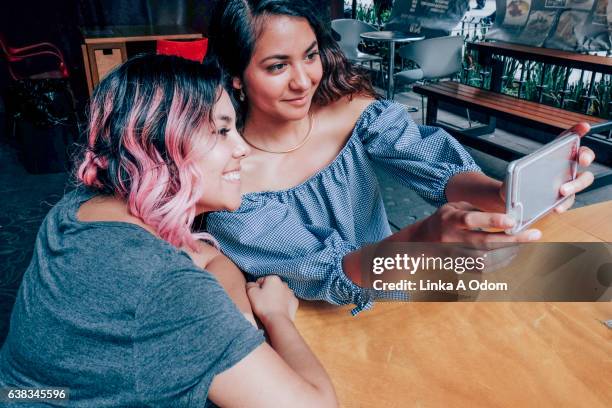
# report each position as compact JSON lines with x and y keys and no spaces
{"x":423,"y":158}
{"x":266,"y":237}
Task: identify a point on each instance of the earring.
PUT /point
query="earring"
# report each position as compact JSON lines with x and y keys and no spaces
{"x":241,"y":95}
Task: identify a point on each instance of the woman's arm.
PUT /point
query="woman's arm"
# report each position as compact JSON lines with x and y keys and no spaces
{"x":488,"y":194}
{"x":263,"y":379}
{"x":227,"y":273}
{"x":453,"y":222}
{"x":478,"y":189}
{"x":463,"y":219}
{"x":286,"y":374}
{"x":233,"y":281}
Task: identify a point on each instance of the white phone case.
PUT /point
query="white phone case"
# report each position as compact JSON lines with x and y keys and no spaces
{"x":533,"y":181}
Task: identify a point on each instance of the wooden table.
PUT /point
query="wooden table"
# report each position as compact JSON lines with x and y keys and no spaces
{"x":105,"y":47}
{"x":546,"y":55}
{"x":472,"y":354}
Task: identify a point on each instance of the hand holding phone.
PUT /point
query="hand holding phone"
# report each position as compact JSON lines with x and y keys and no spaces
{"x":532,"y":186}
{"x":533,"y":182}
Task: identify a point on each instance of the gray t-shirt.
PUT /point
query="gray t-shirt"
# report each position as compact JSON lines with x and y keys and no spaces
{"x":119,"y":317}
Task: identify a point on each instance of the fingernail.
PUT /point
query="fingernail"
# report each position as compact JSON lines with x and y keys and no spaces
{"x":508,"y":221}
{"x":534,"y":235}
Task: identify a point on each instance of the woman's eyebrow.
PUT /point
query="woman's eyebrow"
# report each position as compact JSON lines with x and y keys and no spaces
{"x":284,"y":57}
{"x":224,"y":118}
{"x":313,"y":45}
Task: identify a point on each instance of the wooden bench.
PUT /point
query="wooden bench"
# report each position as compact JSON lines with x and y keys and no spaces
{"x":526,"y":113}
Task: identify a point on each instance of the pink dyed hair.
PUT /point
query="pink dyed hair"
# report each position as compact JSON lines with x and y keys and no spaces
{"x":144,"y":117}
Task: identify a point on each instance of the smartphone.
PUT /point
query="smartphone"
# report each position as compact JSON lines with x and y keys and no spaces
{"x":533,"y":181}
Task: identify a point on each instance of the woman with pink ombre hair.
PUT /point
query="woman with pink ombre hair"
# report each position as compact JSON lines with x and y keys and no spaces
{"x":122,"y":304}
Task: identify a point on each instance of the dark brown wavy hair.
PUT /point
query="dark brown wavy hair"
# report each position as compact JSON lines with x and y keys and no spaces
{"x":236,"y":25}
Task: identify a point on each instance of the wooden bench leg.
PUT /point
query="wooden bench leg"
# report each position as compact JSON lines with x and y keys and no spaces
{"x":431,"y":118}
{"x":481,"y":130}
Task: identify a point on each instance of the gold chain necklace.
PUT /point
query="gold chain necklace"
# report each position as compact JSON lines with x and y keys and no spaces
{"x":302,"y":143}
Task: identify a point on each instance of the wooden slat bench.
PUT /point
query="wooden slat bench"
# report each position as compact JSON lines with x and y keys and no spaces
{"x":526,"y":113}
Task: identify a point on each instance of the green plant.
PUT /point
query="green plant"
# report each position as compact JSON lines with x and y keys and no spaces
{"x":554,"y":90}
{"x":372,"y":14}
{"x":385,"y":16}
{"x":603,"y":98}
{"x":366,"y":13}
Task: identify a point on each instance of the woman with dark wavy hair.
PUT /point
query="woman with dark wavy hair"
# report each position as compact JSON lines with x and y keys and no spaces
{"x":312,"y":200}
{"x":122,"y":304}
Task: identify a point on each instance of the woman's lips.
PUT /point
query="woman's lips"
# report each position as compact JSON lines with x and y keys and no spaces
{"x":298,"y":101}
{"x":232,"y":176}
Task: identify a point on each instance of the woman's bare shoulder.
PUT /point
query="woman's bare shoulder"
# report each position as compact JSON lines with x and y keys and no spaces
{"x":344,"y":112}
{"x":349,"y":106}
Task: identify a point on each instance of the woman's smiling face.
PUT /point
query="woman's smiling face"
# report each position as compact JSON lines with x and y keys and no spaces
{"x":285,"y":69}
{"x":220,"y":165}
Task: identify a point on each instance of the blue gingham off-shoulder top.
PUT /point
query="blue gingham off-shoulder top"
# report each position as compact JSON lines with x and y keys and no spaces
{"x":303,"y":233}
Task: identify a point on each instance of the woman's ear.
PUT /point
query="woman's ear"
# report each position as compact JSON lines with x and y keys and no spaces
{"x":236,"y":83}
